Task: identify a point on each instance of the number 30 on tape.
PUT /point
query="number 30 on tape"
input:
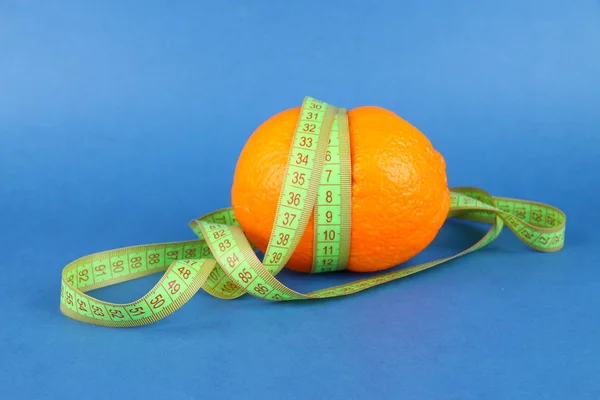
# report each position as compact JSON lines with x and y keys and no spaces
{"x":224,"y":264}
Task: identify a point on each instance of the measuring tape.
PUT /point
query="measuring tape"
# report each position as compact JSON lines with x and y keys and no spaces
{"x":224,"y":263}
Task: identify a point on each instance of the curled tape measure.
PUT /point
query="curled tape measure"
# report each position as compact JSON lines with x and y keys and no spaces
{"x":224,"y":263}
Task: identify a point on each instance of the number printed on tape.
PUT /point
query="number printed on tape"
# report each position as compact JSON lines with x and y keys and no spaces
{"x":317,"y":181}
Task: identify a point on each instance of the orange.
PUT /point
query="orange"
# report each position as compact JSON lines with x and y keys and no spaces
{"x":400,"y":195}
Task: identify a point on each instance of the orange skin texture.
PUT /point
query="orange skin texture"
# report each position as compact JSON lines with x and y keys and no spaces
{"x":400,"y":195}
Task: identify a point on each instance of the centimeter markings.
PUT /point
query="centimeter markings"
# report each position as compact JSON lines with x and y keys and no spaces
{"x":301,"y":182}
{"x":223,"y":261}
{"x":242,"y":266}
{"x":345,"y":188}
{"x":332,"y":210}
{"x":245,"y":270}
{"x":180,"y":282}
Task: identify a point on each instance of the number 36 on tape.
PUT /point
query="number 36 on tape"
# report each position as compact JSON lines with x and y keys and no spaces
{"x":224,"y":264}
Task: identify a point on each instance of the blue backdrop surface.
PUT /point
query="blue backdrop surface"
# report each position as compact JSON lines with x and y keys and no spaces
{"x":110,"y":113}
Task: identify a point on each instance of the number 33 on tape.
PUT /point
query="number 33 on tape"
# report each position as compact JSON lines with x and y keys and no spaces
{"x":224,"y":264}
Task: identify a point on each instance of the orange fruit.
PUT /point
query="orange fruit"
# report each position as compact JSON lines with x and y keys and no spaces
{"x":400,"y":195}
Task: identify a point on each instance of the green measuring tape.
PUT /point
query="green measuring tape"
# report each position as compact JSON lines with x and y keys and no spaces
{"x":224,"y":263}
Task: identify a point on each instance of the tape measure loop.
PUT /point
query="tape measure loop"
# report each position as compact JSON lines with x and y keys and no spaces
{"x":223,"y":261}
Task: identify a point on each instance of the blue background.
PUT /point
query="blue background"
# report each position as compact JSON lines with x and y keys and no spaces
{"x":111,"y":113}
